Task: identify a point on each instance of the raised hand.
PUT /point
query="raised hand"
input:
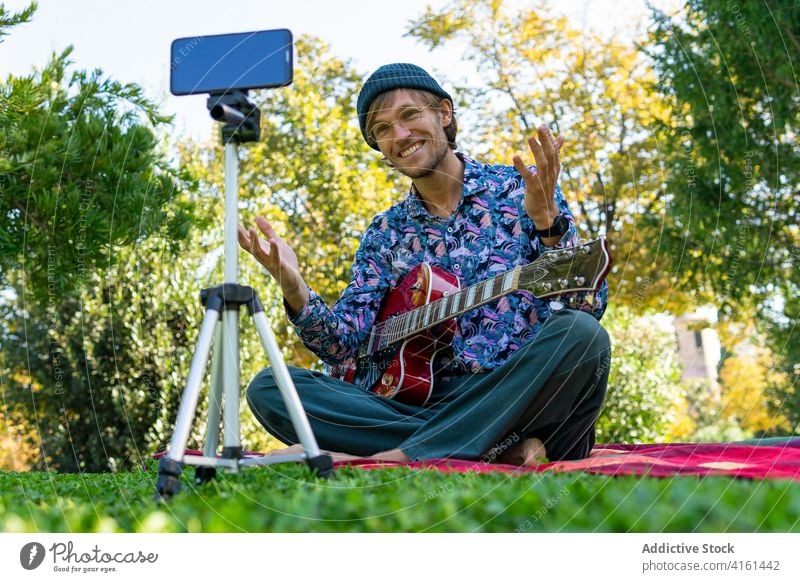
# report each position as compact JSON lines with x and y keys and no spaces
{"x":278,"y":258}
{"x":540,"y":185}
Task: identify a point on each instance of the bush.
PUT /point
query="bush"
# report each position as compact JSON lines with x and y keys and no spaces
{"x":644,"y":383}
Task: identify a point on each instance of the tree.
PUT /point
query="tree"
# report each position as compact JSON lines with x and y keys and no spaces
{"x":80,"y":172}
{"x":83,"y":180}
{"x":749,"y":395}
{"x":728,"y":71}
{"x":536,"y":69}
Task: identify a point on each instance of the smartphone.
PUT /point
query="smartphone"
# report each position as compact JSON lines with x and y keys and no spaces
{"x":224,"y":62}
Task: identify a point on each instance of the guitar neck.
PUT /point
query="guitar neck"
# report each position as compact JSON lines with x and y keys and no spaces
{"x":552,"y":274}
{"x":410,"y":323}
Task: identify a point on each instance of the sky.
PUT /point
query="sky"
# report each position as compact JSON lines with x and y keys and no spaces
{"x":130,"y":41}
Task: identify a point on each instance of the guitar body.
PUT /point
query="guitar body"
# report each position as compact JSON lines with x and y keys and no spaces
{"x":404,"y":371}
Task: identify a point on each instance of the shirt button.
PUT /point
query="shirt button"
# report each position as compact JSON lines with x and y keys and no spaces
{"x":449,"y":229}
{"x":457,"y":267}
{"x":469,"y":342}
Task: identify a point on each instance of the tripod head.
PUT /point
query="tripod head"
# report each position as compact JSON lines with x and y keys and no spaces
{"x":241,"y":117}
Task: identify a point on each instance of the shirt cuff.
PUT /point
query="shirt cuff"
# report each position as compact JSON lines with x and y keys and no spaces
{"x":567,"y":240}
{"x":308,"y":313}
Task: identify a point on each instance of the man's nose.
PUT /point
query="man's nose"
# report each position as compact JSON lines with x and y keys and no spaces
{"x":399,"y":132}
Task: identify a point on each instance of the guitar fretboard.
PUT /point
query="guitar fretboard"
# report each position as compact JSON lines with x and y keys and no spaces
{"x":405,"y":325}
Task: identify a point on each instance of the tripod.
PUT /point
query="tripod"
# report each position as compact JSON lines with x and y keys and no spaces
{"x":221,"y":326}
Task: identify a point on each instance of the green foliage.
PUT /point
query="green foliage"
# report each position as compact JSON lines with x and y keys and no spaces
{"x":84,"y":184}
{"x":702,"y":419}
{"x":535,"y":68}
{"x":396,"y":500}
{"x":9,"y":20}
{"x":644,"y":381}
{"x":732,"y":159}
{"x":97,"y":374}
{"x":80,"y":172}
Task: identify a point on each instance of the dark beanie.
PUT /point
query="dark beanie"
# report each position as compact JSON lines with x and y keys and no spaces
{"x":388,"y":78}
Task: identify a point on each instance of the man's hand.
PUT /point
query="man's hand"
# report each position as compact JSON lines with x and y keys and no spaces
{"x":278,"y":258}
{"x":540,"y":186}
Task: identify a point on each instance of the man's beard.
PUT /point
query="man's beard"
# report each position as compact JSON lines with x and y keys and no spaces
{"x":432,"y":165}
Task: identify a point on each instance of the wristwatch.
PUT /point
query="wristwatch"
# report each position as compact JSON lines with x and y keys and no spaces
{"x":558,"y":228}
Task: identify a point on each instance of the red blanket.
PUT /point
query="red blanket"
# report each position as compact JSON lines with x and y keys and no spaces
{"x":765,"y":459}
{"x":777,"y":458}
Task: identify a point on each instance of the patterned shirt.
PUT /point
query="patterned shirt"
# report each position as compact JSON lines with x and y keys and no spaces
{"x":488,"y":233}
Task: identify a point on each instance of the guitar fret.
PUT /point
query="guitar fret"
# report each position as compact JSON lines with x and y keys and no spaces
{"x":470,"y":298}
{"x":454,"y":304}
{"x":427,"y":318}
{"x":388,"y":333}
{"x":443,"y":308}
{"x":508,"y":280}
{"x":487,"y":290}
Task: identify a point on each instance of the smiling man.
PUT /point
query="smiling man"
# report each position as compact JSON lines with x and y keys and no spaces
{"x":522,"y":378}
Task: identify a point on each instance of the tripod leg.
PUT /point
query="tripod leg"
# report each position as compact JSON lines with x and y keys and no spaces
{"x":232,"y":385}
{"x":203,"y":474}
{"x":319,"y":462}
{"x":169,"y":468}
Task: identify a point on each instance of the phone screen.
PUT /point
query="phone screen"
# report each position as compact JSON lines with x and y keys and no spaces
{"x":247,"y":60}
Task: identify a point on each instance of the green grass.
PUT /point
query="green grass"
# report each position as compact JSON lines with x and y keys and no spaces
{"x":288,"y":498}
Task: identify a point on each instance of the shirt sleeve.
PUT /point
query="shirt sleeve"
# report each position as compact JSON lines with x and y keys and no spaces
{"x":335,"y":334}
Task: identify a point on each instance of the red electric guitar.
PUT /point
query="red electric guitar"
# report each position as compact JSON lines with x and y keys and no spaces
{"x":417,"y":318}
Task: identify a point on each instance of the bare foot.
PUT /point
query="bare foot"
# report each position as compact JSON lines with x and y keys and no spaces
{"x":528,"y":453}
{"x":292,"y":450}
{"x":298,"y":449}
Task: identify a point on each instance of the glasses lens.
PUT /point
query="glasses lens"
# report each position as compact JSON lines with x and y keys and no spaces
{"x":380,"y":131}
{"x":409,"y":115}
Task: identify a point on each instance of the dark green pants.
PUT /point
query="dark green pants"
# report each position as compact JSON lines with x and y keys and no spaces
{"x":551,"y":389}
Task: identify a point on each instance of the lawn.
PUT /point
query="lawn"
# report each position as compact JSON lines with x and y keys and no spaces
{"x":288,"y":498}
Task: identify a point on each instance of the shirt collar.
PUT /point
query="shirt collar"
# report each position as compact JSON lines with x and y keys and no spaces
{"x":475,"y":180}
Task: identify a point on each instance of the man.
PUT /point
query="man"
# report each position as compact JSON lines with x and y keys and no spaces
{"x":523,"y":381}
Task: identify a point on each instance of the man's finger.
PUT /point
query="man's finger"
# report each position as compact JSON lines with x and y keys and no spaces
{"x":548,"y":143}
{"x":256,"y":248}
{"x":522,"y":168}
{"x":538,"y":153}
{"x":244,"y":239}
{"x":265,"y":227}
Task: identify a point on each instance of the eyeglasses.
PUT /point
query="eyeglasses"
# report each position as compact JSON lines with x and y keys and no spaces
{"x":408,"y":116}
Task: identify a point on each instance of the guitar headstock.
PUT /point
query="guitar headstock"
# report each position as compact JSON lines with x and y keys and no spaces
{"x":580,"y":268}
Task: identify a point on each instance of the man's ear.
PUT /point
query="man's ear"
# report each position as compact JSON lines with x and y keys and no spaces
{"x":446,"y":110}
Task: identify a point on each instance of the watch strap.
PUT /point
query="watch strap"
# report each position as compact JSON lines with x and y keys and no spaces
{"x":559,"y":227}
